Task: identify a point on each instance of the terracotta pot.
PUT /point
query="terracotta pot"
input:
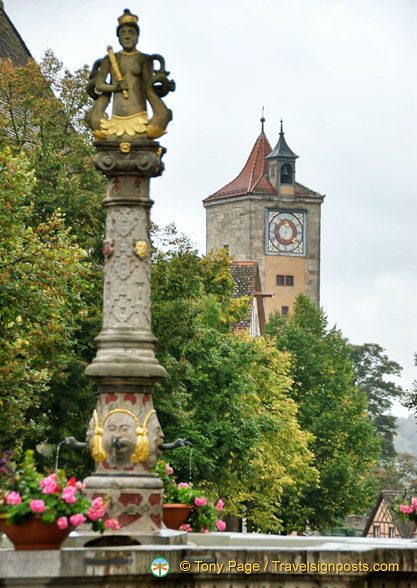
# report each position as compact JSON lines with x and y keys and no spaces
{"x":175,"y":515}
{"x":35,"y":534}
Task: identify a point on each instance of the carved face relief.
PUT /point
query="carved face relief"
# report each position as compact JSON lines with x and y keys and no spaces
{"x":156,"y":438}
{"x":119,"y":439}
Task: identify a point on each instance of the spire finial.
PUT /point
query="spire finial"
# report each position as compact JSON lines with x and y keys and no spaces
{"x":281,"y":131}
{"x":262,"y":121}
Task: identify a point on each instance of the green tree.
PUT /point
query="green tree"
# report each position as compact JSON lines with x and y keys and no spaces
{"x":41,"y":113}
{"x":42,"y":271}
{"x":227,"y":394}
{"x":410,"y":400}
{"x":372,"y":371}
{"x":41,"y":117}
{"x":332,"y":409}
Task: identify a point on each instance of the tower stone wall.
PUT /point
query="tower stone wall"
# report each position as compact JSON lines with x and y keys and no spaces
{"x":238,"y":216}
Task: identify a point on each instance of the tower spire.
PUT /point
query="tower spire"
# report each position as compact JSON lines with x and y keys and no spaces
{"x":262,"y":121}
{"x":281,"y":131}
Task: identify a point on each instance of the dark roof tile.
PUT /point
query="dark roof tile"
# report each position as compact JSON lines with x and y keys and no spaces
{"x":12,"y":45}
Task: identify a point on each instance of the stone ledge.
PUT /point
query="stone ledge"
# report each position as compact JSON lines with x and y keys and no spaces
{"x":130,"y":566}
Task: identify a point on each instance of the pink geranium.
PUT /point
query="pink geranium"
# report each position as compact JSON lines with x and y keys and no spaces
{"x":205,"y":530}
{"x":405,"y":509}
{"x":97,"y":502}
{"x":62,"y":522}
{"x":95,"y":513}
{"x":37,"y":506}
{"x":49,"y":484}
{"x":97,"y":509}
{"x":112,"y":524}
{"x":13,"y":498}
{"x":183,"y":485}
{"x":220,"y":505}
{"x":47,"y":480}
{"x":68,"y":494}
{"x":200,"y":501}
{"x":186,"y":527}
{"x":221,"y":525}
{"x":169,"y":469}
{"x":77,"y":519}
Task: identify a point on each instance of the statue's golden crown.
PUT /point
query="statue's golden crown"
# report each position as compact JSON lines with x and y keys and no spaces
{"x":128,"y":18}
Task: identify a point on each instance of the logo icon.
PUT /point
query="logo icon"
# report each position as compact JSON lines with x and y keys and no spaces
{"x":160,"y":567}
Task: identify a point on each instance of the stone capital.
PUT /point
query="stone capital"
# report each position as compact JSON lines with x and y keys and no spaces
{"x":135,"y":157}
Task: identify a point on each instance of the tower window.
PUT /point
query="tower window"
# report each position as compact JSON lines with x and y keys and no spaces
{"x":284,"y":280}
{"x":284,"y":310}
{"x":286,"y":174}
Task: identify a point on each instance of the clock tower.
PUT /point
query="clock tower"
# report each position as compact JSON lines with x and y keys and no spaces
{"x":265,"y":215}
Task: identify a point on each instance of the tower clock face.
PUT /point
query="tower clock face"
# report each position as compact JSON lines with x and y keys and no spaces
{"x":286,"y":232}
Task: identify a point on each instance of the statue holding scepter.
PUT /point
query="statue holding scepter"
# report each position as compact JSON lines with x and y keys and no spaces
{"x":133,"y":83}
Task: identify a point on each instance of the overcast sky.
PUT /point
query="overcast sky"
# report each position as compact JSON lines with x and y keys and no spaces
{"x":341,"y":74}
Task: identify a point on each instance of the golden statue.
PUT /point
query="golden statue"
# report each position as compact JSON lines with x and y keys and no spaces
{"x":133,"y":83}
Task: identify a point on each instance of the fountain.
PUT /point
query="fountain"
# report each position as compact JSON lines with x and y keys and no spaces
{"x":124,"y":434}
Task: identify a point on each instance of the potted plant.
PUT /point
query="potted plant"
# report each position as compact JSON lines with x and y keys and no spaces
{"x":39,"y":511}
{"x":407,"y":508}
{"x":186,"y":507}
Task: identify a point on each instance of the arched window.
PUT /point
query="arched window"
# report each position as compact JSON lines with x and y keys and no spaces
{"x":286,"y":174}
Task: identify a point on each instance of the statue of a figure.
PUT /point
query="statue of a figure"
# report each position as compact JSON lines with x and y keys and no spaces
{"x":133,"y":82}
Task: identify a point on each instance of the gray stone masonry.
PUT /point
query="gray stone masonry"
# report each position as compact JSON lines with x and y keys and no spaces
{"x":222,"y":560}
{"x":239,"y":222}
{"x":124,"y":434}
{"x":125,"y":343}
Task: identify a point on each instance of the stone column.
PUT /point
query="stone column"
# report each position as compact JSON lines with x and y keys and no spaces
{"x":124,"y":434}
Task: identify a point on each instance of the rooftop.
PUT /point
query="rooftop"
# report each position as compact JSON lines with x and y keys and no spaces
{"x":253,"y":179}
{"x":12,"y":45}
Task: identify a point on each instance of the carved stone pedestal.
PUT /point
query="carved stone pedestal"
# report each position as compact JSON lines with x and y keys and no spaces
{"x":124,"y":434}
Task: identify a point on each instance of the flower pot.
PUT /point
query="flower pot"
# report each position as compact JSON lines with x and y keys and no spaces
{"x":35,"y":534}
{"x":175,"y":515}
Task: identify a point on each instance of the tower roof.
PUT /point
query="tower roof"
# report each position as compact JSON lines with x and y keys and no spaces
{"x":11,"y":43}
{"x":281,"y":149}
{"x":252,"y":178}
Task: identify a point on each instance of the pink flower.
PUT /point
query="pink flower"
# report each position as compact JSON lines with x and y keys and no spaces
{"x":49,"y":485}
{"x":221,"y":525}
{"x":68,"y":494}
{"x":200,"y":501}
{"x":62,"y":522}
{"x":37,"y":506}
{"x":414,"y":503}
{"x":186,"y":527}
{"x":97,"y":508}
{"x":112,"y":524}
{"x":183,"y":485}
{"x":169,"y":469}
{"x":77,"y":519}
{"x":205,"y":530}
{"x":80,"y":485}
{"x":404,"y":508}
{"x":98,"y":502}
{"x":13,"y":498}
{"x":95,"y":513}
{"x":220,"y":505}
{"x":47,"y":480}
